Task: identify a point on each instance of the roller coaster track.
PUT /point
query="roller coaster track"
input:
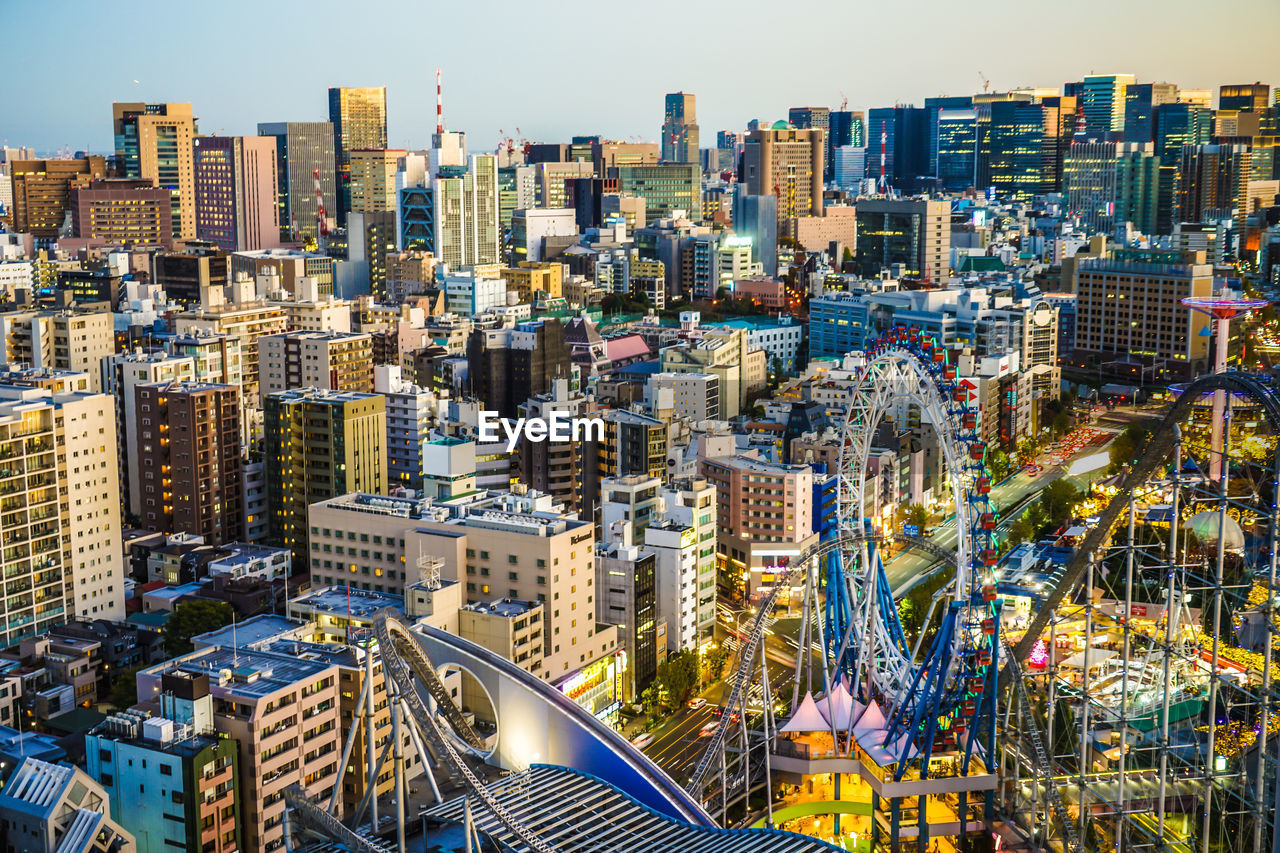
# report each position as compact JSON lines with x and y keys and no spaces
{"x":402,"y":659}
{"x":311,"y":814}
{"x":1261,"y":387}
{"x":747,"y":654}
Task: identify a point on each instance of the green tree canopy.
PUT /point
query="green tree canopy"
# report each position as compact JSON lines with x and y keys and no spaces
{"x":917,"y":515}
{"x":678,"y":677}
{"x":191,"y":618}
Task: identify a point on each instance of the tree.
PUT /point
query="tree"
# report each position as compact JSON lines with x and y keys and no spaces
{"x":917,"y":515}
{"x":1126,"y":446}
{"x":678,"y":678}
{"x":716,"y":660}
{"x":998,"y":464}
{"x":124,"y":689}
{"x":1061,"y":423}
{"x":1058,"y":500}
{"x":191,"y":618}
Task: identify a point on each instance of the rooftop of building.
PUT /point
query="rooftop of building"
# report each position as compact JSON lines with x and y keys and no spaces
{"x":249,"y":633}
{"x":347,"y":602}
{"x":280,"y":253}
{"x":754,"y":465}
{"x":508,"y":607}
{"x":320,"y":335}
{"x":246,"y":553}
{"x":246,"y":671}
{"x":321,"y":395}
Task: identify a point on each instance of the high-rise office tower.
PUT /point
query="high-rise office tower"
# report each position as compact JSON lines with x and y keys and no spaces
{"x":756,"y":218}
{"x":1102,"y":102}
{"x":1026,"y":142}
{"x":807,"y":118}
{"x":1214,"y":183}
{"x":913,"y":233}
{"x":905,"y":134}
{"x":845,"y":128}
{"x":1253,"y":97}
{"x":680,"y":129}
{"x":155,"y":141}
{"x":42,"y":191}
{"x":302,"y":149}
{"x":1140,"y":102}
{"x":789,"y":164}
{"x":319,"y":445}
{"x":359,"y":119}
{"x":1176,"y":125}
{"x":956,"y":149}
{"x":1108,"y":183}
{"x":190,"y":477}
{"x":62,"y":509}
{"x":935,"y":106}
{"x":665,"y":188}
{"x":373,"y":179}
{"x":454,"y":215}
{"x":237,"y":191}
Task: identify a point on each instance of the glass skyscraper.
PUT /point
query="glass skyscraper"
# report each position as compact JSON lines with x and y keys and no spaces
{"x":957,"y":149}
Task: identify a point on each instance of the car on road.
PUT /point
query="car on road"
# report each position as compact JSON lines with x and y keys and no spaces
{"x":709,"y":729}
{"x":695,"y":704}
{"x":641,"y":741}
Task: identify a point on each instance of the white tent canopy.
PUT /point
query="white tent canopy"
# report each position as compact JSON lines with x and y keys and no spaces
{"x":837,"y":706}
{"x":807,"y":718}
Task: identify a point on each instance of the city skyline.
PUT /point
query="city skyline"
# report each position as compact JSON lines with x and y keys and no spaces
{"x":729,"y":95}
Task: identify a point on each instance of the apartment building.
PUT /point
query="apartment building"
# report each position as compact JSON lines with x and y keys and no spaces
{"x":282,"y":711}
{"x":246,"y":323}
{"x":63,"y":340}
{"x":189,"y":460}
{"x":335,"y":361}
{"x":320,"y":444}
{"x":171,"y":780}
{"x":60,"y":508}
{"x":764,"y":517}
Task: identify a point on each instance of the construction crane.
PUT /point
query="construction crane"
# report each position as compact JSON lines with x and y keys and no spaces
{"x":986,"y":84}
{"x":322,"y":219}
{"x":525,"y":144}
{"x":844,"y":101}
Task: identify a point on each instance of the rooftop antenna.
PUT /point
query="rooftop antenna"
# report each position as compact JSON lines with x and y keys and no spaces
{"x":439,"y":104}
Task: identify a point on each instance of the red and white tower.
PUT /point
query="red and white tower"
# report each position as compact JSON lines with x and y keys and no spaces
{"x":1223,"y":309}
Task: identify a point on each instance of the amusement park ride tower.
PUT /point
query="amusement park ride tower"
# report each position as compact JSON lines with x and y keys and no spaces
{"x":1223,"y":309}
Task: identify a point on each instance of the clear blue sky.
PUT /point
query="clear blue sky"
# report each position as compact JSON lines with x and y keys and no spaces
{"x":559,"y":68}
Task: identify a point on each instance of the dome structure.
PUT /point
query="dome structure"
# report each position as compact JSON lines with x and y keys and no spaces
{"x":1206,"y":526}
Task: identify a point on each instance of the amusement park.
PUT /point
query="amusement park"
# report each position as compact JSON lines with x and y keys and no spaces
{"x":1106,"y":684}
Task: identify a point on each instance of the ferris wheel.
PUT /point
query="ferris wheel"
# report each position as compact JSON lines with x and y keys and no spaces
{"x":936,"y":696}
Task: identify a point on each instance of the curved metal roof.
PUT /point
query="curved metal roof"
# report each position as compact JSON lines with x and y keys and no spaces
{"x":575,"y":812}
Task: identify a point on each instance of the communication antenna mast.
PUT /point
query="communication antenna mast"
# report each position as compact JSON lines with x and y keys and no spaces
{"x":439,"y":104}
